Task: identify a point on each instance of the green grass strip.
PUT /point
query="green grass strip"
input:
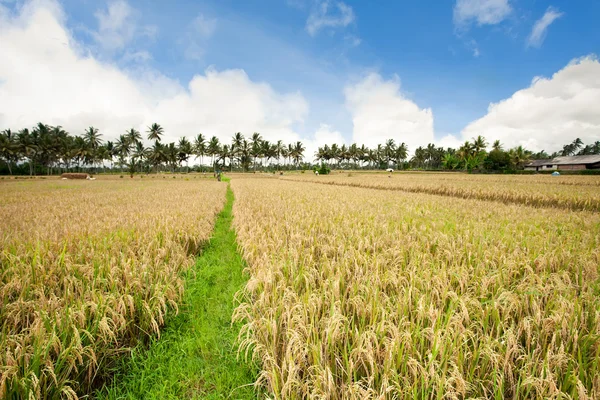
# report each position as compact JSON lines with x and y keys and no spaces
{"x":196,"y":356}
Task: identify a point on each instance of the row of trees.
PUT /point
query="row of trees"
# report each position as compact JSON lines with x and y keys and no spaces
{"x":52,"y":149}
{"x":469,"y":156}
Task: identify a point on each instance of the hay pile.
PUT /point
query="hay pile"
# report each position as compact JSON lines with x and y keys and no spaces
{"x":75,"y":175}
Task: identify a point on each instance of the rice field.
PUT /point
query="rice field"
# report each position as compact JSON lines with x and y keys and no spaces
{"x":567,"y":192}
{"x":357,"y":286}
{"x":88,"y":269}
{"x":357,"y":293}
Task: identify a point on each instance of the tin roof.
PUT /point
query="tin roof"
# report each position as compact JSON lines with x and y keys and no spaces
{"x":570,"y":160}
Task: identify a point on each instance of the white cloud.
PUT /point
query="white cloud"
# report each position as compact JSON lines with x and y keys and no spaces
{"x":325,"y":135}
{"x":137,"y":56}
{"x":117,"y":26}
{"x":549,"y":113}
{"x":329,"y":14}
{"x":483,"y":12}
{"x":203,"y":26}
{"x":43,"y":78}
{"x":352,"y":40}
{"x":380,"y":112}
{"x":199,"y":31}
{"x":540,"y":28}
{"x":449,"y":140}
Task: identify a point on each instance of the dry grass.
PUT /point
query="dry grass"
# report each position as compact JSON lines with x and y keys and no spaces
{"x":89,"y":268}
{"x":358,"y":293}
{"x":566,"y":192}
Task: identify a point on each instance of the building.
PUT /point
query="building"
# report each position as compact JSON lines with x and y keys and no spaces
{"x":571,"y":163}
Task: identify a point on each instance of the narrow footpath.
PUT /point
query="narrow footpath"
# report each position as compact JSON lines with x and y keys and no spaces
{"x":196,"y":356}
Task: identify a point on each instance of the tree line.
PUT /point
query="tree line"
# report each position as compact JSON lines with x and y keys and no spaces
{"x":51,"y":149}
{"x":471,"y":155}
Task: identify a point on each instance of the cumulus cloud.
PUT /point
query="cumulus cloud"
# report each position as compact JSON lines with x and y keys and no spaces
{"x":325,"y":135}
{"x":329,"y":14}
{"x":549,"y":113}
{"x":380,"y":112}
{"x":44,"y":78}
{"x":540,"y":28}
{"x":483,"y":12}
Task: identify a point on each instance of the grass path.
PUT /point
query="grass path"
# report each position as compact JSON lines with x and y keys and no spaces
{"x":196,"y":354}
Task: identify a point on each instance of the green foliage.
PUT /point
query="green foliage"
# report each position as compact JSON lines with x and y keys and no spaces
{"x":497,"y":160}
{"x":323,"y":169}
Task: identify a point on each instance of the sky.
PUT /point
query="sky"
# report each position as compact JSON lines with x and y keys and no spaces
{"x":525,"y":72}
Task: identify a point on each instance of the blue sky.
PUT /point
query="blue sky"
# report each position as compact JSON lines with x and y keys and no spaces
{"x":453,"y":58}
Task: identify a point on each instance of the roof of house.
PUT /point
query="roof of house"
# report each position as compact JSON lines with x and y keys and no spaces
{"x":571,"y":160}
{"x":592,"y":159}
{"x":538,"y":163}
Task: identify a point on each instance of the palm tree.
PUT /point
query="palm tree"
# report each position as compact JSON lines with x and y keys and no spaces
{"x":155,"y":131}
{"x":214,"y":148}
{"x":265,"y":151}
{"x":401,"y":154}
{"x":171,"y":154}
{"x":92,"y":138}
{"x":133,"y":136}
{"x":256,"y":147}
{"x":26,"y":147}
{"x":279,"y":150}
{"x":185,"y":149}
{"x":389,"y":151}
{"x":236,"y":142}
{"x":298,"y":153}
{"x":140,"y":153}
{"x":122,"y":149}
{"x":200,"y":147}
{"x":420,"y":156}
{"x":8,"y":148}
{"x":157,"y":155}
{"x":497,"y":146}
{"x":479,"y":144}
{"x":244,"y":155}
{"x":519,"y":156}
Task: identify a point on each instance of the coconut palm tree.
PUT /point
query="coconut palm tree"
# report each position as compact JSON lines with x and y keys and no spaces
{"x":256,"y":147}
{"x":133,"y":136}
{"x":279,"y":149}
{"x":8,"y":148}
{"x":139,"y":155}
{"x":93,"y":140}
{"x":185,"y":150}
{"x":171,"y":153}
{"x":214,"y":148}
{"x":236,"y":142}
{"x":157,"y":155}
{"x":199,"y":149}
{"x":519,"y":156}
{"x":497,"y":146}
{"x":122,"y":149}
{"x":155,"y":132}
{"x":401,"y":154}
{"x":479,"y":144}
{"x":298,"y":153}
